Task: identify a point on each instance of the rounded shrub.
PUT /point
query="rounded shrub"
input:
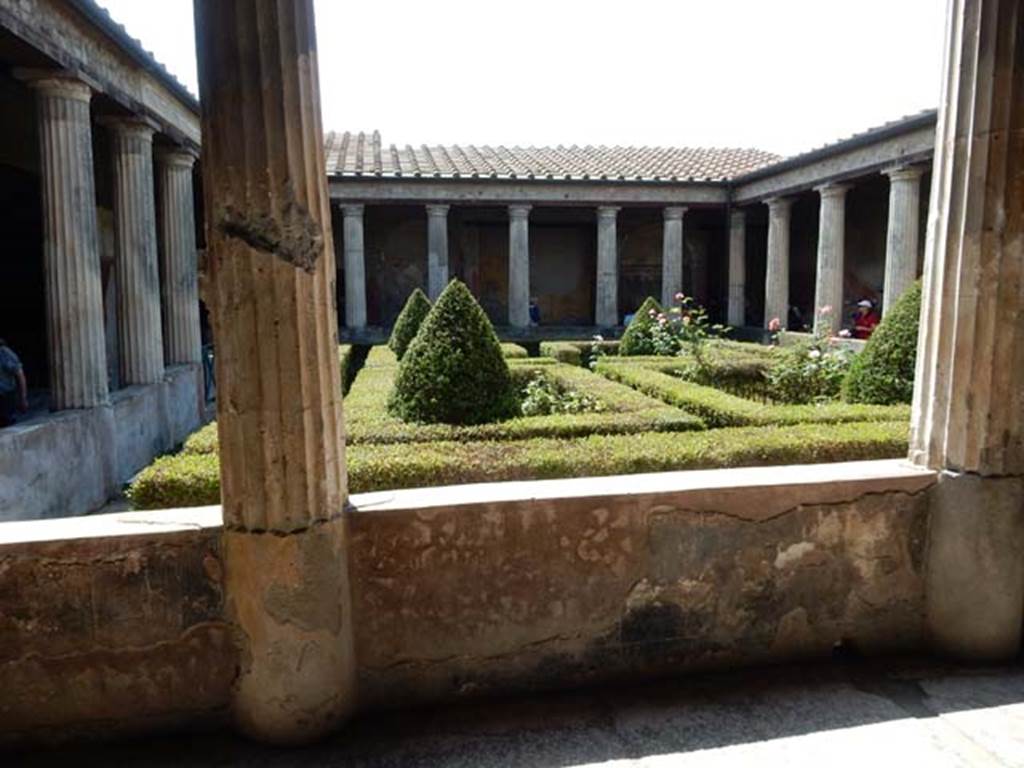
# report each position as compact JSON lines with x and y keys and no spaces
{"x":637,"y":338}
{"x":408,"y":323}
{"x":883,"y":373}
{"x":454,"y":372}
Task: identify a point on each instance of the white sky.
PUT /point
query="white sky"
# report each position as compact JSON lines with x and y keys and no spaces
{"x":781,"y":75}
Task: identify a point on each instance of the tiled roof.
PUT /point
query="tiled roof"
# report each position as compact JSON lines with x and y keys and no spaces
{"x":362,"y":154}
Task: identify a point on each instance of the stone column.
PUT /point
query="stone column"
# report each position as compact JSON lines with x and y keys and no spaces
{"x":902,"y":236}
{"x":672,"y":255}
{"x":776,"y":277}
{"x":139,"y":333}
{"x":179,"y":277}
{"x":606,"y":302}
{"x":737,"y":268}
{"x":74,"y":284}
{"x":519,"y":266}
{"x":968,"y":412}
{"x":272,"y":279}
{"x":437,"y":250}
{"x":828,"y":287}
{"x":355,"y":266}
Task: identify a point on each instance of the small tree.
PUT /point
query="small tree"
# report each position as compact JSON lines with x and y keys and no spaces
{"x":453,"y":372}
{"x":638,"y":338}
{"x":408,"y":323}
{"x":883,"y":373}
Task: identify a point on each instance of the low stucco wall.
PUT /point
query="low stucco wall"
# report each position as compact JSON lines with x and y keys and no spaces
{"x":71,"y":462}
{"x":116,"y":620}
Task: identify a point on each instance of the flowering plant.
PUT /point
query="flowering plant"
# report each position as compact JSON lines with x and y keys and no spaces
{"x":684,"y":329}
{"x":810,"y":371}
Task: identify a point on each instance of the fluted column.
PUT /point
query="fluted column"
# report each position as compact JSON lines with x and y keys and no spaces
{"x":519,"y":265}
{"x":776,"y":277}
{"x":902,"y":234}
{"x":606,"y":295}
{"x":139,"y":333}
{"x":437,"y":250}
{"x":968,"y":412}
{"x":355,"y":266}
{"x":272,"y":273}
{"x":179,"y":278}
{"x":737,"y":268}
{"x":74,"y":290}
{"x":828,"y":286}
{"x":672,"y":255}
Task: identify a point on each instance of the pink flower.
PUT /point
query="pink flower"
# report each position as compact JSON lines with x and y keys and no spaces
{"x":844,"y":333}
{"x":652,"y":313}
{"x":774,"y":324}
{"x":686,"y":320}
{"x":826,"y":310}
{"x":662,"y":320}
{"x":680,"y":296}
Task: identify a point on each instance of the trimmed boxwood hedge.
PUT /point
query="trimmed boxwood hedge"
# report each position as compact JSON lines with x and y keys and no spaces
{"x":453,"y":371}
{"x":720,"y":409}
{"x":636,"y":340}
{"x":408,"y":322}
{"x":513,"y":351}
{"x":193,"y":480}
{"x":883,"y":372}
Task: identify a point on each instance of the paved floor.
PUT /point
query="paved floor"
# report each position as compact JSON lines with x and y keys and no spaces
{"x":854,"y":715}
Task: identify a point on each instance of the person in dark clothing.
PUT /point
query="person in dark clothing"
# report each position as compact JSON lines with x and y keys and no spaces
{"x":13,"y":387}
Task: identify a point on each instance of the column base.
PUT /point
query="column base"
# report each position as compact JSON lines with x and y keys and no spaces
{"x":975,"y":567}
{"x":288,"y":595}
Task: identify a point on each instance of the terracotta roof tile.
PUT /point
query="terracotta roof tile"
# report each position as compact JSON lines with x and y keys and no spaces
{"x":359,"y":154}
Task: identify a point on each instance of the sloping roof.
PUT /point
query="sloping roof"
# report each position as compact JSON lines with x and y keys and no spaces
{"x":362,"y":154}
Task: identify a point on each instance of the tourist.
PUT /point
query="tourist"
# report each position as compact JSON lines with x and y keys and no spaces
{"x":13,"y":388}
{"x":865,"y":318}
{"x":534,"y":311}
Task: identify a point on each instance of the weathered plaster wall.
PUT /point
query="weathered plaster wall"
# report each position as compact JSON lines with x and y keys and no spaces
{"x":114,"y":623}
{"x":111,"y":626}
{"x":602,"y":579}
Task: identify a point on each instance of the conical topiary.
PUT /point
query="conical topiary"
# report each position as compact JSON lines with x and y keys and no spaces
{"x":883,"y":372}
{"x":453,"y":372}
{"x":408,"y":323}
{"x":636,"y":340}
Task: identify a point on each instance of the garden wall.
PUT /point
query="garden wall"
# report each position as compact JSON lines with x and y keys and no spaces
{"x":116,"y":620}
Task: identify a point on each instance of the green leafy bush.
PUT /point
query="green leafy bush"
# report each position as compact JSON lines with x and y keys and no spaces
{"x":514,"y":351}
{"x":883,"y":372}
{"x":638,"y":336}
{"x":193,"y":480}
{"x":416,"y":308}
{"x":453,"y":372}
{"x":542,"y":397}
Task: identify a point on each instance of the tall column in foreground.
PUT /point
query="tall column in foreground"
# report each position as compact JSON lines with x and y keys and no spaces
{"x":606,"y":295}
{"x":437,"y":250}
{"x":138,"y":274}
{"x":672,"y":255}
{"x":902,"y":235}
{"x":776,"y":276}
{"x":519,"y":265}
{"x":179,"y":259}
{"x":968,"y":413}
{"x":828,"y":287}
{"x":737,"y":268}
{"x":272,"y":272}
{"x":355,"y":266}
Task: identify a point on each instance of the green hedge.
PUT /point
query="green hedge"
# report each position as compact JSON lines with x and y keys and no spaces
{"x":720,"y":409}
{"x":367,"y":419}
{"x":636,"y":339}
{"x":884,"y":371}
{"x":408,"y":322}
{"x":193,"y":480}
{"x":513,"y":351}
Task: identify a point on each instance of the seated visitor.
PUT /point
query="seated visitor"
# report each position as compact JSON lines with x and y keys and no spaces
{"x":534,"y":311}
{"x":13,"y":388}
{"x":865,"y":318}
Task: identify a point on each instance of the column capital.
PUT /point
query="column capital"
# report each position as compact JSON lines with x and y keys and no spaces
{"x":608,"y":211}
{"x":55,"y":82}
{"x":352,"y":210}
{"x":781,"y":204}
{"x":177,"y":157}
{"x":674,"y":212}
{"x":904,"y":172}
{"x":437,"y":210}
{"x":832,"y":189}
{"x":519,"y":211}
{"x":134,"y":126}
